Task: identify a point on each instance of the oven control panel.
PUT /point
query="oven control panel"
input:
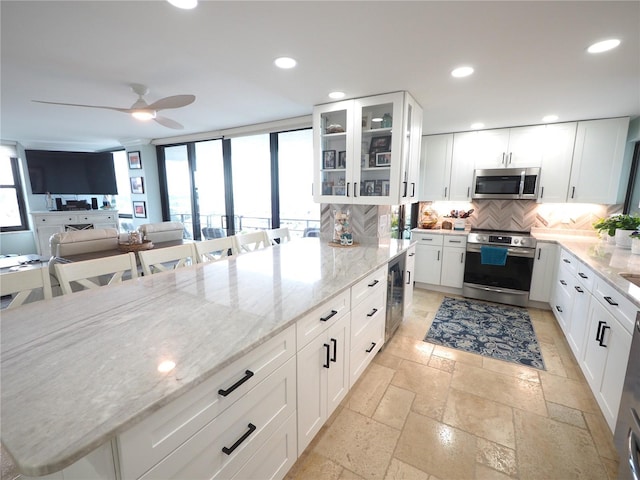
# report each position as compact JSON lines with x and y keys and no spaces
{"x":496,"y":238}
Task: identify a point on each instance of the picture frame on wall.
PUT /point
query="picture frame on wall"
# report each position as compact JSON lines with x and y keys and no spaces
{"x":140,"y":209}
{"x":137,"y":184}
{"x":135,"y":162}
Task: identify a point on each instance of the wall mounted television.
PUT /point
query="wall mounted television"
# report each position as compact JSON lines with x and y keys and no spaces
{"x":75,"y":173}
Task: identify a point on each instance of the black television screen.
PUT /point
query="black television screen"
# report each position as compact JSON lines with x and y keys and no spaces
{"x":79,"y":173}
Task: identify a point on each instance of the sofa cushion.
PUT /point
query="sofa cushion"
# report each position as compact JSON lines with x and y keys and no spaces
{"x":83,"y":241}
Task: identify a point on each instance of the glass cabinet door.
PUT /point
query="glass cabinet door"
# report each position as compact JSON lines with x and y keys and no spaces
{"x":378,"y":145}
{"x":334,"y":136}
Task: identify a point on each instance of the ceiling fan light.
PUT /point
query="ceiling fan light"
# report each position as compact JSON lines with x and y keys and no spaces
{"x":184,"y":4}
{"x":143,"y":115}
{"x":604,"y":46}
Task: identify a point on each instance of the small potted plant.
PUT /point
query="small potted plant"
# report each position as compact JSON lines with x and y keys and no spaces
{"x":619,"y":227}
{"x":635,"y":242}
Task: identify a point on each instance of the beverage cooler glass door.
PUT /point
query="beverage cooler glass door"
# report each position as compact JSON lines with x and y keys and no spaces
{"x":334,"y":151}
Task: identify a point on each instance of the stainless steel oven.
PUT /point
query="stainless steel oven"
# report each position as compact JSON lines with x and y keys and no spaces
{"x":627,"y":434}
{"x":498,"y":266}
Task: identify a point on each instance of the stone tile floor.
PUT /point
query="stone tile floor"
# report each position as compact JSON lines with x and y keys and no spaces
{"x":427,"y":412}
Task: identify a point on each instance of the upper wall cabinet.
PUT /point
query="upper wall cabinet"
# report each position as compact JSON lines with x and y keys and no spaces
{"x":435,"y":167}
{"x":559,"y":139}
{"x":367,"y":150}
{"x":508,"y":147}
{"x":598,"y":160}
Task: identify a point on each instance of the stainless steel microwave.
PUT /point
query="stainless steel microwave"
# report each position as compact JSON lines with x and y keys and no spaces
{"x":506,"y":183}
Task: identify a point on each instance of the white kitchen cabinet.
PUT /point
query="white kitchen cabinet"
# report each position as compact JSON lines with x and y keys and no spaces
{"x":453,"y":256}
{"x":557,"y":156}
{"x":598,"y":160}
{"x":410,"y":270}
{"x":48,"y":223}
{"x":367,"y":150}
{"x":462,"y":165}
{"x":435,"y":167}
{"x":577,"y":332}
{"x":509,"y":147}
{"x":323,"y":379}
{"x":428,"y":257}
{"x":97,"y":465}
{"x":544,"y":269}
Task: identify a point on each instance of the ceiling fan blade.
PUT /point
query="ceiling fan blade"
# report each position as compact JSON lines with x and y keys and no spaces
{"x":167,"y":122}
{"x":175,"y":101}
{"x":126,"y":110}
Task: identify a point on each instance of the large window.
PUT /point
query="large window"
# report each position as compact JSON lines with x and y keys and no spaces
{"x":13,"y":214}
{"x":123,"y":204}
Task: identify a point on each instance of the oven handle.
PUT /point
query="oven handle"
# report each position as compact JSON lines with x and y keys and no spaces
{"x":512,"y":251}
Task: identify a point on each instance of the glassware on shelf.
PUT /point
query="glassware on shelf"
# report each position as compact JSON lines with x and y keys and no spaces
{"x":386,"y":121}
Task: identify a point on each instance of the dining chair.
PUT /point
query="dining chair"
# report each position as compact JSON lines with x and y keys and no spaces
{"x":96,"y":273}
{"x":23,"y":286}
{"x":251,"y":241}
{"x":279,"y":235}
{"x":216,"y":249}
{"x":166,"y":259}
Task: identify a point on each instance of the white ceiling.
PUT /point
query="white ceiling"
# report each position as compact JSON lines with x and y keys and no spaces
{"x":529,"y":57}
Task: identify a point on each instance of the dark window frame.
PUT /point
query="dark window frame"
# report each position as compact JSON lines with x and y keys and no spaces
{"x":19,"y":189}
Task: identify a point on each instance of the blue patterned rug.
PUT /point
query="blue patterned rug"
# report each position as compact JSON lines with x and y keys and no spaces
{"x":492,"y":330}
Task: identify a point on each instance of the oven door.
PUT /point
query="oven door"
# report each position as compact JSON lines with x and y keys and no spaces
{"x":509,"y":283}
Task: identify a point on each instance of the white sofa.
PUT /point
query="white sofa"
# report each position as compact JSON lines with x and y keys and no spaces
{"x":162,"y":232}
{"x":83,"y":241}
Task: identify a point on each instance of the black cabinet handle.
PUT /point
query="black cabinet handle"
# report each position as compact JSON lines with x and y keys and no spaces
{"x":247,"y":375}
{"x":375,"y":282}
{"x":539,"y":252}
{"x":566,"y":261}
{"x":610,"y":301}
{"x":563,"y":282}
{"x":324,"y":319}
{"x":327,"y":347}
{"x":438,"y":259}
{"x":541,"y":192}
{"x":573,"y":191}
{"x":355,"y":189}
{"x":370,"y":349}
{"x":582,"y":275}
{"x":348,"y":189}
{"x":373,"y":312}
{"x":600,"y":323}
{"x":406,"y":185}
{"x":559,"y":308}
{"x":411,"y":254}
{"x":578,"y":289}
{"x":335,"y":350}
{"x":408,"y":277}
{"x":602,"y":336}
{"x":413,"y":189}
{"x":445,"y":192}
{"x":229,"y":451}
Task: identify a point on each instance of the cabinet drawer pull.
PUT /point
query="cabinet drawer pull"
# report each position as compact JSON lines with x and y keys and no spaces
{"x":573,"y":192}
{"x":578,"y":289}
{"x":246,"y":434}
{"x":438,"y":259}
{"x":373,"y":312}
{"x":566,"y":261}
{"x":411,"y":254}
{"x":539,"y":250}
{"x":582,"y":275}
{"x":247,"y":375}
{"x":563,"y":282}
{"x":445,"y":192}
{"x":375,"y":282}
{"x":408,"y":277}
{"x":328,"y":348}
{"x":335,"y":350}
{"x":602,"y":336}
{"x":600,"y":323}
{"x":559,"y":308}
{"x":610,"y":301}
{"x":541,"y":192}
{"x":324,"y":319}
{"x":370,"y":349}
{"x":427,"y":239}
{"x":455,"y":241}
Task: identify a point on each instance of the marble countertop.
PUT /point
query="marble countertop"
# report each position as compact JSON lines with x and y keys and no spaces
{"x":441,"y":231}
{"x":79,"y":369}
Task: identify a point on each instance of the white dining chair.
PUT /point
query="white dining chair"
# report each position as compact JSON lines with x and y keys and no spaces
{"x":96,"y":273}
{"x":166,"y":259}
{"x":216,"y":249}
{"x":251,"y":241}
{"x":24,"y":285}
{"x":279,"y":235}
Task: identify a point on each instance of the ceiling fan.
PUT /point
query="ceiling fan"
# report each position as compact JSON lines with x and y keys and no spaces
{"x":140,"y":109}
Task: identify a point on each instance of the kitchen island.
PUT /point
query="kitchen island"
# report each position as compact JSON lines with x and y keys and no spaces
{"x":80,"y":369}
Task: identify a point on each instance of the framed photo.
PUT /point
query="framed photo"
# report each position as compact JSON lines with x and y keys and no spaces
{"x":383,"y":159}
{"x":342,"y":160}
{"x":380,"y":144}
{"x":364,"y":160}
{"x":327,"y":188}
{"x":328,"y":159}
{"x":135,"y":163}
{"x":369,"y":187}
{"x":339,"y":190}
{"x":140,"y":209}
{"x":137,"y":184}
{"x":385,"y":188}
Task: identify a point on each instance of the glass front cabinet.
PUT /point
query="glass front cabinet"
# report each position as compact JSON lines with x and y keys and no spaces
{"x":367,"y":150}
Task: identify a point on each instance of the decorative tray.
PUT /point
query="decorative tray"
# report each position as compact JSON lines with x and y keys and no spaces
{"x":135,"y":247}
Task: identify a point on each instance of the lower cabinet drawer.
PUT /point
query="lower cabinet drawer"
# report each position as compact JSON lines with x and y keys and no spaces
{"x":276,"y":457}
{"x":149,"y":441}
{"x":320,"y":318}
{"x":363,"y":351}
{"x":373,"y":283}
{"x":616,"y":304}
{"x":370,"y":310}
{"x":240,"y":432}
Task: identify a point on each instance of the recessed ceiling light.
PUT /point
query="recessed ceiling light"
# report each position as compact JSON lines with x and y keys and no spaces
{"x":462,"y":72}
{"x":184,"y":4}
{"x":336,"y":95}
{"x":285,"y":62}
{"x":549,"y":118}
{"x":603,"y":46}
{"x":477,"y":126}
